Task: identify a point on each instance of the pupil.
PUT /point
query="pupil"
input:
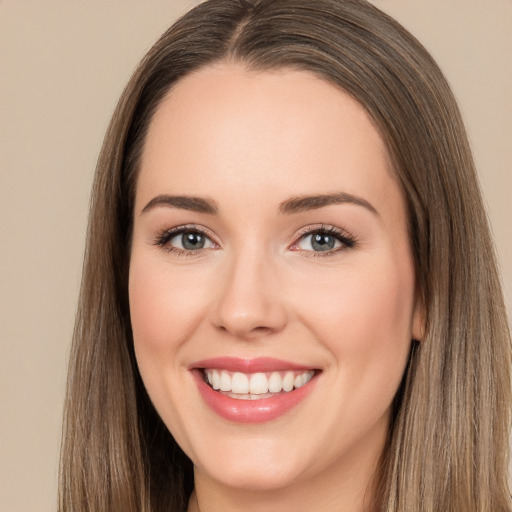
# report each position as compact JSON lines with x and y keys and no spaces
{"x":322,"y":242}
{"x":192,"y":241}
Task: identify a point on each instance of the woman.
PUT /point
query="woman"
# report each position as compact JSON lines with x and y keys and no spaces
{"x":289,"y":299}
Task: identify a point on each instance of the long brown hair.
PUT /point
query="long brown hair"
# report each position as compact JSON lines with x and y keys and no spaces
{"x":448,"y":442}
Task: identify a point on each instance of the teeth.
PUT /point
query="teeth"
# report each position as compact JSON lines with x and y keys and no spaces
{"x":225,"y":381}
{"x":288,"y":381}
{"x":215,"y":381}
{"x":240,"y":383}
{"x":275,"y":383}
{"x":256,"y":385}
{"x":297,"y":382}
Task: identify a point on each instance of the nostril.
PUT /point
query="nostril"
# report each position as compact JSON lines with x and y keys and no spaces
{"x":246,"y":333}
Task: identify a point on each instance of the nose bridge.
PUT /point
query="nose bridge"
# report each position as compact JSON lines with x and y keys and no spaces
{"x":249,"y":303}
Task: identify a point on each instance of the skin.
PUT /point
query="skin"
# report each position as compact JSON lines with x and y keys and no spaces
{"x":258,"y":289}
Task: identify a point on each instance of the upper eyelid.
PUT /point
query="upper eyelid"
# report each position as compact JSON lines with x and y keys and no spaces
{"x":301,"y":233}
{"x":163,"y":236}
{"x":189,"y":227}
{"x":326,"y":228}
{"x":347,"y":239}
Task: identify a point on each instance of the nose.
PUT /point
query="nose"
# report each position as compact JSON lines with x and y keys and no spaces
{"x":249,"y":304}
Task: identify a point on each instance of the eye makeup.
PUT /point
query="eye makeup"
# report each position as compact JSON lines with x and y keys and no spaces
{"x":315,"y":241}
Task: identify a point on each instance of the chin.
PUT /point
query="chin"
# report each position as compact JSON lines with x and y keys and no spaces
{"x":262,"y":467}
{"x":253,"y":477}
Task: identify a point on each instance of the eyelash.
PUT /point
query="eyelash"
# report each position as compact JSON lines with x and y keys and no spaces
{"x":164,"y":237}
{"x":347,"y":240}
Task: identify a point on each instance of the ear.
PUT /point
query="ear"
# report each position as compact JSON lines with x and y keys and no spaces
{"x":419,"y":319}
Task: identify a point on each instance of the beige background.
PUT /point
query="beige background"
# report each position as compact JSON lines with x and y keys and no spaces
{"x":62,"y":67}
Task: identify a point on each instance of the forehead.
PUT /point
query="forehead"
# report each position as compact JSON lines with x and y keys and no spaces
{"x":273,"y":133}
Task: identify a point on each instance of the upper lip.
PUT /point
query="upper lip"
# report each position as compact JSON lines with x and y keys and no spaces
{"x":259,"y":364}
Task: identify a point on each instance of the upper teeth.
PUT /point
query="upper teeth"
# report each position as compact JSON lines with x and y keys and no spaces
{"x":257,"y":383}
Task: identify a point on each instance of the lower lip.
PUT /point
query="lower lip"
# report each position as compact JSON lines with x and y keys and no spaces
{"x":251,"y":411}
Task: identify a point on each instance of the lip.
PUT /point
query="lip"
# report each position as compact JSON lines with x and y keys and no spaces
{"x":259,"y":364}
{"x":250,"y":411}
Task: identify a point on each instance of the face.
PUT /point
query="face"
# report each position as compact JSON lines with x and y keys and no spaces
{"x":270,"y":256}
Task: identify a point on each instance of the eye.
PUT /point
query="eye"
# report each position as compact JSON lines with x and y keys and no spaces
{"x":184,"y":240}
{"x":324,"y":240}
{"x":190,"y":241}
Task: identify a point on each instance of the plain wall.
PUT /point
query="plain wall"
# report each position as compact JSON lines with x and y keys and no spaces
{"x":62,"y":66}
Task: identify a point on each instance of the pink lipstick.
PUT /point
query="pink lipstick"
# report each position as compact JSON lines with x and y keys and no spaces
{"x":252,"y":390}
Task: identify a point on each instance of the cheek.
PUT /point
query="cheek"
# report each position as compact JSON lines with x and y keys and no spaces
{"x":363,"y":318}
{"x":164,"y":304}
{"x":364,"y":315}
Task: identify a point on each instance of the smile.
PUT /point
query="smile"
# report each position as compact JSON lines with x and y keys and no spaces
{"x":255,"y":386}
{"x":252,"y":391}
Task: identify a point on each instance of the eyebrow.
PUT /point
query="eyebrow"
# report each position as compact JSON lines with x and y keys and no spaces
{"x":293,"y":205}
{"x":195,"y":204}
{"x":305,"y":203}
